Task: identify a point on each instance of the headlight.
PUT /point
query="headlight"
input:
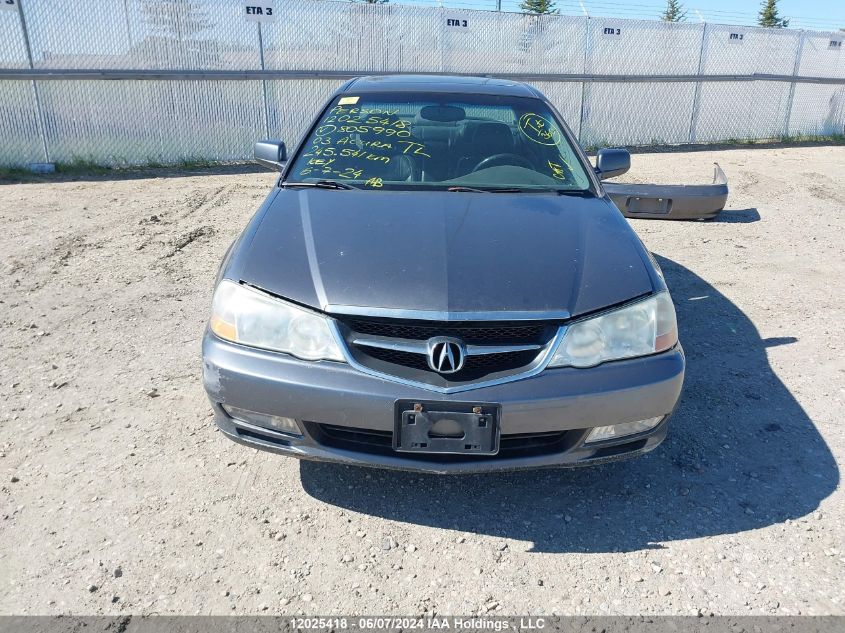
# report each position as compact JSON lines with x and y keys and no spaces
{"x":646,"y":327}
{"x":243,"y":315}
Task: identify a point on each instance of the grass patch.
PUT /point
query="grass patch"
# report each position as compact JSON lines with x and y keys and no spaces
{"x":836,"y":139}
{"x":196,"y":163}
{"x":82,"y":166}
{"x":86,"y":166}
{"x":18,"y":173}
{"x":784,"y":139}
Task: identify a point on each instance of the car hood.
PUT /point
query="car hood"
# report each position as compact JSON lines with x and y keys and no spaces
{"x":449,"y":254}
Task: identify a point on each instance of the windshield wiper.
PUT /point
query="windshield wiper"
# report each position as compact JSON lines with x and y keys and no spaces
{"x":474,"y":190}
{"x":320,"y":184}
{"x":578,"y":193}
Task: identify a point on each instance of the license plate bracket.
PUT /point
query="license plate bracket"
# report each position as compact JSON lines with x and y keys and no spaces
{"x":456,"y":428}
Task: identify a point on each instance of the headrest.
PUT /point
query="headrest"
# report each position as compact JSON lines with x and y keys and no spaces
{"x":491,"y":134}
{"x":434,"y":132}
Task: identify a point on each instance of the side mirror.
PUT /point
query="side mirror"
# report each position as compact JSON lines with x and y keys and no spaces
{"x":612,"y":162}
{"x":270,"y":154}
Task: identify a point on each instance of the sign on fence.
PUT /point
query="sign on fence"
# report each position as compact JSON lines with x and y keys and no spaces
{"x":260,"y":11}
{"x":9,"y":5}
{"x":460,"y":22}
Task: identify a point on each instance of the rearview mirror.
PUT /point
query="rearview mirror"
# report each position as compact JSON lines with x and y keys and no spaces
{"x":612,"y":162}
{"x":270,"y":154}
{"x":443,"y":113}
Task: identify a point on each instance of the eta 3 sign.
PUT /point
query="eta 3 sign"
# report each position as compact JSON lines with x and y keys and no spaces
{"x":258,"y":10}
{"x":457,"y":23}
{"x":9,"y":5}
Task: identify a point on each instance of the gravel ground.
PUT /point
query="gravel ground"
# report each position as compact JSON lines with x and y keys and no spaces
{"x":119,"y":496}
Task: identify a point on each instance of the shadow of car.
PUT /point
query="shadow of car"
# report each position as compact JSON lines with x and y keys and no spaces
{"x":738,"y":216}
{"x":741,"y":454}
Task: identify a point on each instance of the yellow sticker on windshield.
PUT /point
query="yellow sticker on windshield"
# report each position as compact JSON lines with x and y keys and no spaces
{"x":348,"y":101}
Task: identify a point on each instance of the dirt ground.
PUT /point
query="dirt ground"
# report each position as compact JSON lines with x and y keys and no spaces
{"x":119,"y":496}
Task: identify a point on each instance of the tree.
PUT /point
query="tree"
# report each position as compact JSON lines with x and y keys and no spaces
{"x":180,"y":20}
{"x":769,"y":16}
{"x":173,"y":33}
{"x":539,"y":7}
{"x":674,"y":12}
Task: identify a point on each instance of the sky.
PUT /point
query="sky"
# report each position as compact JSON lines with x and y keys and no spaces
{"x":806,"y":14}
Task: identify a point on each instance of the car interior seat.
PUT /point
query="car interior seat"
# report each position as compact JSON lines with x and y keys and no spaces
{"x":481,"y":140}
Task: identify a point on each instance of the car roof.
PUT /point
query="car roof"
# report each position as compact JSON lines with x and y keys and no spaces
{"x":437,"y":83}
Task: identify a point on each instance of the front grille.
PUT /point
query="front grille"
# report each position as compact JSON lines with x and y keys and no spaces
{"x":347,"y":437}
{"x":475,"y":367}
{"x":381,"y":443}
{"x":405,"y":359}
{"x":414,"y":366}
{"x":494,"y":333}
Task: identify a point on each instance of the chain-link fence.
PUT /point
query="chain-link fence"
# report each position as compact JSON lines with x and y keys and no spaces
{"x":136,"y":81}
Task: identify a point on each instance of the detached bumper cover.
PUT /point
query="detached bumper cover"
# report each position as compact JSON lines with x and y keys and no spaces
{"x":347,"y":416}
{"x":671,"y":202}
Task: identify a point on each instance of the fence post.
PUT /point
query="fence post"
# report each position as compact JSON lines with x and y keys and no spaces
{"x":264,"y":82}
{"x":128,"y":25}
{"x":442,"y":30}
{"x":42,"y":129}
{"x":795,"y":71}
{"x":693,"y":123}
{"x":584,"y":84}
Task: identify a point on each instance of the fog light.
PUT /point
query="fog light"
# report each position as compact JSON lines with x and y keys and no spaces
{"x":274,"y":422}
{"x":601,"y":433}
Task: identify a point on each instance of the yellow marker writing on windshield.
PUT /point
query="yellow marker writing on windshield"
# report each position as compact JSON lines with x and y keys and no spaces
{"x":557,"y":171}
{"x":414,"y":148}
{"x":538,"y":129}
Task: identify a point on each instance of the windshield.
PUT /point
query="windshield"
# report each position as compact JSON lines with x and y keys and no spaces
{"x":440,"y":141}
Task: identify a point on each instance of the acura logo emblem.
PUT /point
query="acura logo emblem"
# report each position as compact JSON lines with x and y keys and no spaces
{"x":445,"y":355}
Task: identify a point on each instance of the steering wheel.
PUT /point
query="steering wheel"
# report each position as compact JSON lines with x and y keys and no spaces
{"x":503,"y":159}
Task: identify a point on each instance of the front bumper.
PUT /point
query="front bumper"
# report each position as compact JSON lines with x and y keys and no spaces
{"x":346,"y":414}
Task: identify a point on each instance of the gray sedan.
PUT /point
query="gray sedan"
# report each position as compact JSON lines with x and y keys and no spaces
{"x":438,"y":282}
